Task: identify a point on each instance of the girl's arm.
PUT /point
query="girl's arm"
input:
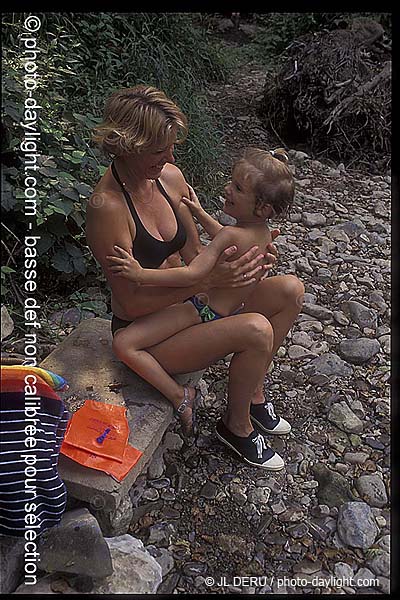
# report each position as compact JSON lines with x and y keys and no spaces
{"x":210,"y":225}
{"x":126,"y":266}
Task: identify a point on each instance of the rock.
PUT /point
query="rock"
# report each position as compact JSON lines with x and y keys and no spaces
{"x":299,"y":352}
{"x":319,"y":312}
{"x":50,"y":584}
{"x":319,"y":348}
{"x":151,"y":494}
{"x":160,"y":484}
{"x":172,"y":441}
{"x":328,"y":364}
{"x":311,"y":325}
{"x":352,"y":228}
{"x":163,"y":557}
{"x":270,"y":483}
{"x":157,"y":465}
{"x":11,"y":563}
{"x":238,"y":493}
{"x":356,"y":458}
{"x":160,"y":534}
{"x":343,"y":571}
{"x":225,"y":219}
{"x":384,"y":584}
{"x":384,"y":543}
{"x":358,"y":351}
{"x":324,"y":274}
{"x":303,"y":265}
{"x":362,"y":578}
{"x":135,"y":570}
{"x":381,"y":209}
{"x":298,"y":157}
{"x":343,"y":417}
{"x":209,"y":490}
{"x":308,"y":567}
{"x":234,"y":544}
{"x":372,"y":489}
{"x":7,"y":324}
{"x":301,"y":338}
{"x":380,"y":564}
{"x":194,"y":568}
{"x":338,"y":235}
{"x":259,"y":495}
{"x":333,"y":488}
{"x":340,"y":317}
{"x":116,"y":522}
{"x":360,"y":314}
{"x":75,"y":545}
{"x":356,"y":525}
{"x":385,"y":342}
{"x":72,"y":316}
{"x":377,"y":301}
{"x":298,"y":530}
{"x":313,"y":219}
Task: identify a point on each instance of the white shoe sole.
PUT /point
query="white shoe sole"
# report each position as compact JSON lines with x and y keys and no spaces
{"x":282,"y":428}
{"x":273,"y":464}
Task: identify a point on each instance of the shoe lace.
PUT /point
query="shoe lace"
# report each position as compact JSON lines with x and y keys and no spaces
{"x":259,"y":441}
{"x":269,"y":407}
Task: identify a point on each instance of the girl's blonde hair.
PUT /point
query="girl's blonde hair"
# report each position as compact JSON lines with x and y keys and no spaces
{"x":137,"y":119}
{"x":270,"y":177}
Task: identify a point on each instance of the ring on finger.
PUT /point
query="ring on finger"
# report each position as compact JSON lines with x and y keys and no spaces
{"x":244,"y":275}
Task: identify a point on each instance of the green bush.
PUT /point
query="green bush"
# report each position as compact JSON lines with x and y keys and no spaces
{"x":82,"y":59}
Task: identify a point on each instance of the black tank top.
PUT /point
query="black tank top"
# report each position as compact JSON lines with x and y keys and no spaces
{"x":149,"y":251}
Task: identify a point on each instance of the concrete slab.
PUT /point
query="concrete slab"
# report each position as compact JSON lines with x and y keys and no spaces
{"x":86,"y":361}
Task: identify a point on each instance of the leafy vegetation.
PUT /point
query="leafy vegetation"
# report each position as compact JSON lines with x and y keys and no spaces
{"x":82,"y":58}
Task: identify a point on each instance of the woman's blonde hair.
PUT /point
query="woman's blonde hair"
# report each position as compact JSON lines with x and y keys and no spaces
{"x":137,"y":119}
{"x":271,"y":179}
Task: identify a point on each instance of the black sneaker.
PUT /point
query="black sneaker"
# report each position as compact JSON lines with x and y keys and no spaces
{"x":252,"y":448}
{"x":264,"y":417}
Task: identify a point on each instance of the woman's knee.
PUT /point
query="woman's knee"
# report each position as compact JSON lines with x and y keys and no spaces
{"x":120,"y":345}
{"x":260,"y":333}
{"x":293,"y":290}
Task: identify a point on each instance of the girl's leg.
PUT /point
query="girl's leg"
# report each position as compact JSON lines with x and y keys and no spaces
{"x":129,"y":344}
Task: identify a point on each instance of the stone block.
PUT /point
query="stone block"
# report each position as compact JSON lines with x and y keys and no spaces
{"x":85,"y":359}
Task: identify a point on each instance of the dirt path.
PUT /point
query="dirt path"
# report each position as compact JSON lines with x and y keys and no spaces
{"x":235,"y":105}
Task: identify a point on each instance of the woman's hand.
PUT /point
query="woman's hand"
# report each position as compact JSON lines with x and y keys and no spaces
{"x":246,"y":269}
{"x":192,"y":202}
{"x":125,"y":265}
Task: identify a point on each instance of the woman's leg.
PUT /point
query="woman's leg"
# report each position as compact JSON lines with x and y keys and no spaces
{"x":248,"y":336}
{"x":280,"y":299}
{"x":129,"y":346}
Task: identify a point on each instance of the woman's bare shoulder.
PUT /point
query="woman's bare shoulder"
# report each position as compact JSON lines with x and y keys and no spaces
{"x":105,"y":200}
{"x":173,"y":177}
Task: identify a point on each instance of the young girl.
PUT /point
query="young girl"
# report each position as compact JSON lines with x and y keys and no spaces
{"x":262,"y":186}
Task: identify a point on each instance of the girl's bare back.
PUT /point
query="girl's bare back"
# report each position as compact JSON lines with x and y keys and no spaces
{"x":226,"y":300}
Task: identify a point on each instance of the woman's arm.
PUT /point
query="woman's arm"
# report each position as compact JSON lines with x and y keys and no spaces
{"x":207,"y":221}
{"x":126,"y":266}
{"x":107,"y":225}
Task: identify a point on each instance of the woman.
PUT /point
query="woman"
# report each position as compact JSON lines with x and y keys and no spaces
{"x":137,"y":205}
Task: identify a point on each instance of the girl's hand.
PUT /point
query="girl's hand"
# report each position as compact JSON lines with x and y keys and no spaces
{"x":192,"y":202}
{"x":125,"y":265}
